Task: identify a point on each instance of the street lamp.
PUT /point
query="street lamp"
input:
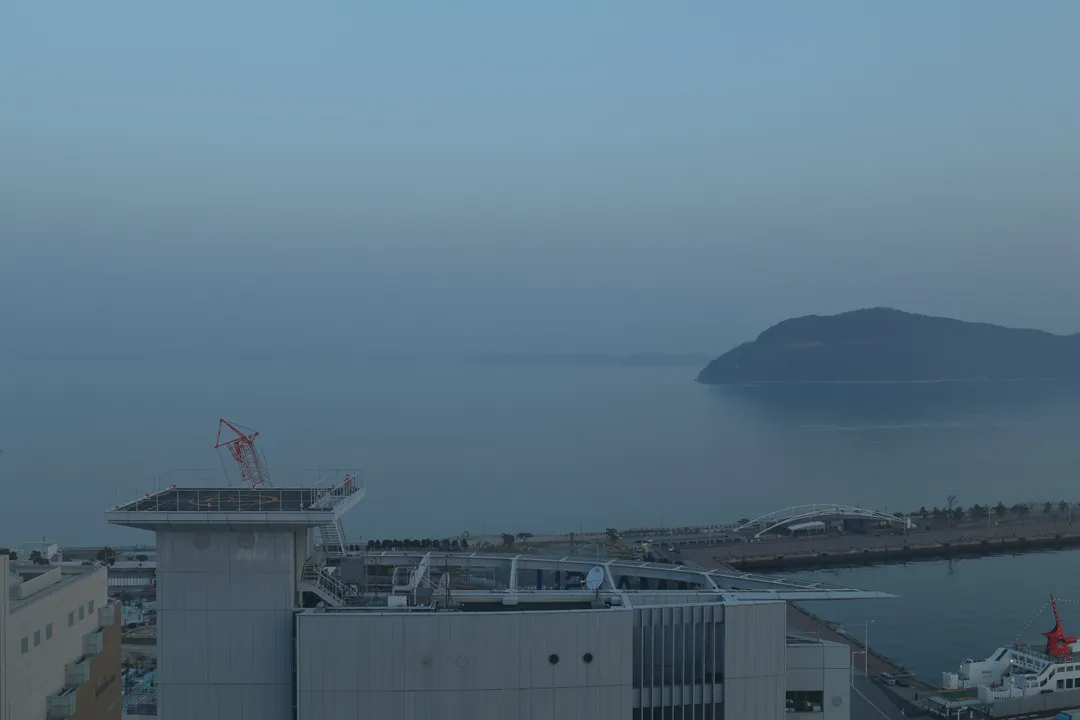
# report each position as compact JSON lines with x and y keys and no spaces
{"x":866,"y":648}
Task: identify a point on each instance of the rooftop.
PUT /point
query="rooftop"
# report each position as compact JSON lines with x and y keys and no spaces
{"x":228,"y":500}
{"x":29,"y":583}
{"x":333,"y":493}
{"x":492,"y":582}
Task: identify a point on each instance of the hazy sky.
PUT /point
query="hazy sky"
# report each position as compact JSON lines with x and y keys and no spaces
{"x":244,"y":178}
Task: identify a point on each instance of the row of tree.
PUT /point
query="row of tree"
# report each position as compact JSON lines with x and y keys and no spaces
{"x":981,"y":511}
{"x":508,"y":540}
{"x":107,"y":556}
{"x":425,"y":544}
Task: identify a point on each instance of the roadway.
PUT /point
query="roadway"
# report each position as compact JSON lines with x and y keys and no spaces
{"x":869,"y":701}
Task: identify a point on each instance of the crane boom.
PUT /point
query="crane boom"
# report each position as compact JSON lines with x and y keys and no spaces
{"x":243,"y":452}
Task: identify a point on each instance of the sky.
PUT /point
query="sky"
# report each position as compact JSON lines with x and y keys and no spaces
{"x":247,"y":180}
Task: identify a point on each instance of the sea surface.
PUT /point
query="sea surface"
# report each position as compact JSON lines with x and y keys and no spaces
{"x":950,"y":610}
{"x":489,"y":447}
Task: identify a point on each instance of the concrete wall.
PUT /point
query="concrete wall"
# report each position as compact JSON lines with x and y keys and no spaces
{"x":40,"y":582}
{"x":465,"y":666}
{"x":1036,"y":703}
{"x":825,"y":667}
{"x":225,"y":623}
{"x":755,"y":664}
{"x":33,"y":675}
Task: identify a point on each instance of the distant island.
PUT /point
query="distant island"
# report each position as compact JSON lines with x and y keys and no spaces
{"x":886,"y":345}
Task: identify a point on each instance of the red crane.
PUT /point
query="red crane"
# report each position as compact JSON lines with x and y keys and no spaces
{"x":1057,"y":642}
{"x":242,"y":449}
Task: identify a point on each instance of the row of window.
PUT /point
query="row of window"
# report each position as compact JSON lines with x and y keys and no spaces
{"x":1067,"y":684}
{"x":803,"y":701}
{"x":83,"y":610}
{"x":37,"y":638}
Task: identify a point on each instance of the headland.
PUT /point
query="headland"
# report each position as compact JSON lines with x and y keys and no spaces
{"x":887,"y":345}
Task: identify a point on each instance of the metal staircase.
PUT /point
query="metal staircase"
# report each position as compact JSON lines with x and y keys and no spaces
{"x":328,"y":587}
{"x":333,"y":539}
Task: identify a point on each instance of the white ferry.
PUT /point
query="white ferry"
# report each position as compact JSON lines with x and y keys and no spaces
{"x":1019,"y":670}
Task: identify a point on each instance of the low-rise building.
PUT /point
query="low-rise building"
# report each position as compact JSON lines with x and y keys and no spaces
{"x":61,"y":643}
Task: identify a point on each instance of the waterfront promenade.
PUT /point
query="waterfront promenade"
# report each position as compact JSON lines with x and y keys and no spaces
{"x":924,"y":541}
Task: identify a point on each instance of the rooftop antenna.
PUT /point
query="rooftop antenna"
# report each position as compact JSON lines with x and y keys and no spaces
{"x":244,"y":453}
{"x":442,"y":591}
{"x":594,"y":580}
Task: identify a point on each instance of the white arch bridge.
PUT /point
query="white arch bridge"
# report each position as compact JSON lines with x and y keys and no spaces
{"x":810,"y":513}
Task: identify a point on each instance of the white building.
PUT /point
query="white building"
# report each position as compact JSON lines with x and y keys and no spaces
{"x":61,"y":643}
{"x":256,"y":620}
{"x":45,"y":549}
{"x":692,"y":656}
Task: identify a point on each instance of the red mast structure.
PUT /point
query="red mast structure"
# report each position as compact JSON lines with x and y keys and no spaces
{"x":1057,"y":643}
{"x":242,"y":449}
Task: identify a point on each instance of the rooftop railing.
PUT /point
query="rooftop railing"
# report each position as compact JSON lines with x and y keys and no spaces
{"x":190,"y":490}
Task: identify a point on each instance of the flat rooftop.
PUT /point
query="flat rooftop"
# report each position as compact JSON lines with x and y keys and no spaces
{"x":230,"y":500}
{"x":270,"y":507}
{"x":34,"y":578}
{"x":202,"y":490}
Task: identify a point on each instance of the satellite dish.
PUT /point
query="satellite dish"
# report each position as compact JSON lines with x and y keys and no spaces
{"x":595,"y":578}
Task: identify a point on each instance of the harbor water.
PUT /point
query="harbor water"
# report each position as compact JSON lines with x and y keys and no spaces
{"x":492,"y":448}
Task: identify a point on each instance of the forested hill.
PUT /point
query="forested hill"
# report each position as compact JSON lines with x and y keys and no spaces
{"x":882,"y":344}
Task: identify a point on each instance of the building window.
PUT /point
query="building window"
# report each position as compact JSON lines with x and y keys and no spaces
{"x":37,"y":638}
{"x":91,"y":608}
{"x":805,"y":700}
{"x":82,"y":612}
{"x":25,"y":645}
{"x":48,"y":631}
{"x":71,"y":618}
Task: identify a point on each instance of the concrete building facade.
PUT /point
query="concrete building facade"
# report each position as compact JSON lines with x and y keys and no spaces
{"x":227,"y":599}
{"x":61,"y":641}
{"x":256,"y":620}
{"x":228,"y":568}
{"x":701,"y":661}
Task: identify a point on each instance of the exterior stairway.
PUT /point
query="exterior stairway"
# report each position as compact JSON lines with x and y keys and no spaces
{"x":333,"y":539}
{"x":316,"y":580}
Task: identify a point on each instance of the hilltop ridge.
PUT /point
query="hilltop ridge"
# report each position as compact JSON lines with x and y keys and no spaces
{"x":884,"y":344}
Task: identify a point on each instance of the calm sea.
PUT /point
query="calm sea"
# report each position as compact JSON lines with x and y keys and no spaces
{"x":948,"y":611}
{"x":492,"y":448}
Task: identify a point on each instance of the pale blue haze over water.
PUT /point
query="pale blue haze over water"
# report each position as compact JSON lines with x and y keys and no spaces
{"x":459,"y":445}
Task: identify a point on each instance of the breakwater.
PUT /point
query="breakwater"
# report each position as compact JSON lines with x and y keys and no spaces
{"x":891,"y":551}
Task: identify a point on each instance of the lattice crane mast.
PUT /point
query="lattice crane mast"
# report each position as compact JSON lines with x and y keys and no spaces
{"x":244,"y":453}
